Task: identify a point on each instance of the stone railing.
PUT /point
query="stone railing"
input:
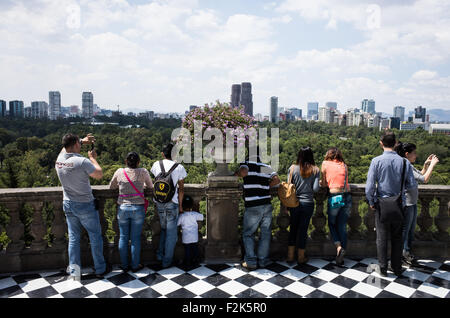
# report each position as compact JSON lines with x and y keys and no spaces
{"x":222,"y":241}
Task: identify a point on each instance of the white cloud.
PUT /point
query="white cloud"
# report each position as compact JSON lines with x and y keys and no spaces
{"x":424,"y":75}
{"x":171,"y":53}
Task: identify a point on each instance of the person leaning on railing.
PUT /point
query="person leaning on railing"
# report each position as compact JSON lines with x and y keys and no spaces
{"x":73,"y":171}
{"x":408,"y":151}
{"x":305,"y":177}
{"x":132,"y":208}
{"x":335,"y":177}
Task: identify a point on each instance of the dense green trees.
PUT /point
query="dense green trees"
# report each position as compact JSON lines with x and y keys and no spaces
{"x":29,"y":148}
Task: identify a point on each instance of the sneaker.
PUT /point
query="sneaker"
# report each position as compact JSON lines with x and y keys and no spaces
{"x":248,"y":266}
{"x":137,"y":269}
{"x":399,"y":273}
{"x":409,"y":259}
{"x":124,"y":269}
{"x":340,"y":257}
{"x":107,"y":270}
{"x":382,"y":271}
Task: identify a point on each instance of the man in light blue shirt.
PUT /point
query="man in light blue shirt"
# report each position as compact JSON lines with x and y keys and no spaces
{"x":384,"y":181}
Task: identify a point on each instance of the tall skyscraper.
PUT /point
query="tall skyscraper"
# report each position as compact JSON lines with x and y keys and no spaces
{"x":274,"y":109}
{"x":88,"y":105}
{"x":313,"y":110}
{"x":235,"y":95}
{"x":399,"y":111}
{"x":247,"y":98}
{"x":2,"y":108}
{"x":16,"y":108}
{"x":368,"y":106}
{"x":54,"y":104}
{"x":331,"y":105}
{"x":39,"y":110}
{"x":420,"y":112}
{"x":325,"y":114}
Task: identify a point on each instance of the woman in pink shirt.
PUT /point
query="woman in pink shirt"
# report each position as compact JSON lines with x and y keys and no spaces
{"x":335,"y":177}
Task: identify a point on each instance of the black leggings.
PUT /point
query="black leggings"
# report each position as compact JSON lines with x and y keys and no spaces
{"x":299,"y":222}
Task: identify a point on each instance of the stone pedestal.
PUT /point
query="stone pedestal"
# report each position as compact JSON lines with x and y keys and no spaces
{"x":222,"y":196}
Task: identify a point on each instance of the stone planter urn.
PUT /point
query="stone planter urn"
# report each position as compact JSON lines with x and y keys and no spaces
{"x":220,"y":159}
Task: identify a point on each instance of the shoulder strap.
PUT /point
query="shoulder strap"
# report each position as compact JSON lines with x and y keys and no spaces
{"x":403,"y":176}
{"x":175,"y":165}
{"x":345,"y":178}
{"x":161,"y":165}
{"x":132,"y":183}
{"x":291,"y":173}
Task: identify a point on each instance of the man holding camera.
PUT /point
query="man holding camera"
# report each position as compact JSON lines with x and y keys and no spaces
{"x":73,"y":172}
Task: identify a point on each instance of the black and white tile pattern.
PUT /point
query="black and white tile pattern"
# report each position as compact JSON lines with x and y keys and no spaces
{"x":319,"y":278}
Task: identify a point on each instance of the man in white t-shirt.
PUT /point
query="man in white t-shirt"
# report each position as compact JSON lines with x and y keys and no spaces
{"x":168,"y":212}
{"x":188,"y":221}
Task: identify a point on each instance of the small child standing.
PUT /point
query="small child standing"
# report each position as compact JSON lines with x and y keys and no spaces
{"x":189,"y":221}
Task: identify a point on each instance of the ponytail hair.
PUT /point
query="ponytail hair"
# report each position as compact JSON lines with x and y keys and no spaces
{"x":403,"y":148}
{"x":133,"y":160}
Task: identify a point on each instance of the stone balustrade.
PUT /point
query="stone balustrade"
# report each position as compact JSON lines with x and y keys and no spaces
{"x":222,"y":241}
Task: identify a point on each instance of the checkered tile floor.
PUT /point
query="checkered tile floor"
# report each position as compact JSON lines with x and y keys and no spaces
{"x":319,"y":278}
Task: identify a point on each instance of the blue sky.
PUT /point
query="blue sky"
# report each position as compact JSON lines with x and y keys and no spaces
{"x":165,"y":55}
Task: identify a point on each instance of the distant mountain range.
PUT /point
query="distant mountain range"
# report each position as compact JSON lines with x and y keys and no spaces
{"x":439,"y":114}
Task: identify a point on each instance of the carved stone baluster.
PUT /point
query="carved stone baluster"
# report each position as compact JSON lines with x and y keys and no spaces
{"x":319,"y":220}
{"x":15,"y":228}
{"x":59,"y":227}
{"x":15,"y":231}
{"x":145,"y":228}
{"x":38,"y":228}
{"x":424,"y":220}
{"x":103,"y":222}
{"x":442,"y":221}
{"x":155,"y":226}
{"x":369,"y":222}
{"x":283,"y":220}
{"x":354,"y":221}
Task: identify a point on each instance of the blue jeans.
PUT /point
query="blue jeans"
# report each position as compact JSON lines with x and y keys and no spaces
{"x":299,"y":222}
{"x":337,"y":220}
{"x":84,"y":215}
{"x":409,"y":225}
{"x":130,"y":218}
{"x":168,"y":218}
{"x":253,"y":217}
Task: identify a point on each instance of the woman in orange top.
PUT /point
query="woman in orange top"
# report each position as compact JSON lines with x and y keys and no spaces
{"x":335,"y":177}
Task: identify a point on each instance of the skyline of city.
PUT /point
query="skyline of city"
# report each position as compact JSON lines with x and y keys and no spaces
{"x":167,"y":53}
{"x":88,"y":103}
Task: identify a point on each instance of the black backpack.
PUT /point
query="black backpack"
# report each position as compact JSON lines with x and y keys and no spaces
{"x":163,"y":188}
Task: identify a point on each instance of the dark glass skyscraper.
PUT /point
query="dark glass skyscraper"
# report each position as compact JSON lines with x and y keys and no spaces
{"x":2,"y":108}
{"x":16,"y":108}
{"x":313,"y":110}
{"x":420,"y":112}
{"x":235,"y":95}
{"x":247,"y":98}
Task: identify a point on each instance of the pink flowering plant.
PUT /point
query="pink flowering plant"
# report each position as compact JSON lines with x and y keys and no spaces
{"x":223,"y":117}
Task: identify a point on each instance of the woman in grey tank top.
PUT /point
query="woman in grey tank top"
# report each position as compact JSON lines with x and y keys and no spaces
{"x":305,"y":176}
{"x":408,"y":151}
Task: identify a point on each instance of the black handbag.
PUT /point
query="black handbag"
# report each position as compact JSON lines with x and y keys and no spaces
{"x":391,"y":209}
